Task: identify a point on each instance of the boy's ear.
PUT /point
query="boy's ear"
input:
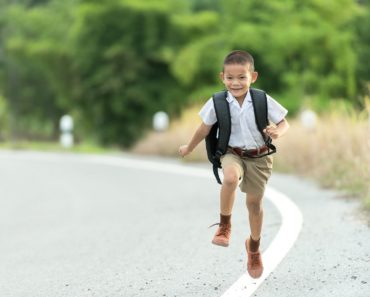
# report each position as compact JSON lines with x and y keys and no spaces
{"x":222,"y":76}
{"x":254,"y":76}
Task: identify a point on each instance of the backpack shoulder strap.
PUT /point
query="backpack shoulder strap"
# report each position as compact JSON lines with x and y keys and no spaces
{"x":259,"y":100}
{"x":222,"y":110}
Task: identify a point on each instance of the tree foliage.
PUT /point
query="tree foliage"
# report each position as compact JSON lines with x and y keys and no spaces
{"x":35,"y":67}
{"x":112,"y":64}
{"x":302,"y":47}
{"x":120,"y":54}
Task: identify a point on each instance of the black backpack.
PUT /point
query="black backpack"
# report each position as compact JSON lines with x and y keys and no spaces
{"x":217,"y":140}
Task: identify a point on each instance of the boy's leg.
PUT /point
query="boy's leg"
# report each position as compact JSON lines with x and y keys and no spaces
{"x":232,"y":173}
{"x":258,"y":172}
{"x":255,"y":212}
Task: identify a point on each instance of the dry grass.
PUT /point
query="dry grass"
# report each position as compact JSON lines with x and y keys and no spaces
{"x":167,"y":143}
{"x":335,"y":154}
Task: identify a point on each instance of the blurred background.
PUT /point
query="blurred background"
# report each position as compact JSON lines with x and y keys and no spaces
{"x":111,"y":65}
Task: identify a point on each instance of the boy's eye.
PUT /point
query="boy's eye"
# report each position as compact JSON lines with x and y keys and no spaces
{"x":230,"y":77}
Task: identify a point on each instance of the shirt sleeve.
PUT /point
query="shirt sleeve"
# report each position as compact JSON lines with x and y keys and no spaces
{"x":208,"y":114}
{"x":276,"y":112}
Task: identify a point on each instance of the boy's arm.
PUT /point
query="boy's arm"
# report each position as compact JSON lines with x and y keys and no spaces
{"x":279,"y":130}
{"x":201,"y":133}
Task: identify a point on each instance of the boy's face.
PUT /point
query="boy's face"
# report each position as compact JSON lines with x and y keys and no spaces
{"x":237,"y":79}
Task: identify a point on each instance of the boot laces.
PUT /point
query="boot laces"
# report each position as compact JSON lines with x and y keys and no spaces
{"x":224,"y":229}
{"x":256,"y":259}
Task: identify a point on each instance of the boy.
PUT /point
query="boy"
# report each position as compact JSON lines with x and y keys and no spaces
{"x":252,"y":173}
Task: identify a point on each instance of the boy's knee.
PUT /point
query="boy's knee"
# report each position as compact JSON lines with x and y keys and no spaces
{"x":231,"y":177}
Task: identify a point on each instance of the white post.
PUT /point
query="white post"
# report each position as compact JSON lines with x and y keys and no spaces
{"x":160,"y":121}
{"x":66,"y":131}
{"x":308,"y":119}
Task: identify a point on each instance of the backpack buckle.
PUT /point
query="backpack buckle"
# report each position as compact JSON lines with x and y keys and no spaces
{"x":218,"y":154}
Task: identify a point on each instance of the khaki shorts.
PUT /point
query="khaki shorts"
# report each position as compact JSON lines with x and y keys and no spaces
{"x":254,"y":172}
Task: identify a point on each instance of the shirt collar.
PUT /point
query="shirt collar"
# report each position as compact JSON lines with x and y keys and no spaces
{"x":231,"y":98}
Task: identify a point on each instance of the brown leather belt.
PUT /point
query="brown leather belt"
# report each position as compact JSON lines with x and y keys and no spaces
{"x":245,"y":153}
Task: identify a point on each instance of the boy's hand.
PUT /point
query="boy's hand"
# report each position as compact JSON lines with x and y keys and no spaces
{"x":272,"y":131}
{"x":184,"y":150}
{"x":277,"y":131}
{"x":201,"y":132}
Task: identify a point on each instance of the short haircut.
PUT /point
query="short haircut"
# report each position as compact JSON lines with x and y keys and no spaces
{"x":239,"y":57}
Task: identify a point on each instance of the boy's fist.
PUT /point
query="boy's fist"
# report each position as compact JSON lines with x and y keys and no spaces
{"x":272,"y":131}
{"x":184,"y":150}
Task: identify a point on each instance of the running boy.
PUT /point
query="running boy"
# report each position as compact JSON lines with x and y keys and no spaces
{"x":252,"y":173}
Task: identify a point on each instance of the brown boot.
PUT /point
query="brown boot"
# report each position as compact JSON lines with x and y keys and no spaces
{"x":255,"y":266}
{"x":223,"y":232}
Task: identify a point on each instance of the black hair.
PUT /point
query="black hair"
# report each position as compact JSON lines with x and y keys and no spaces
{"x":239,"y":57}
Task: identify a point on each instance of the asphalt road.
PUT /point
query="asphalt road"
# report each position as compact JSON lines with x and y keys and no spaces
{"x":71,"y":226}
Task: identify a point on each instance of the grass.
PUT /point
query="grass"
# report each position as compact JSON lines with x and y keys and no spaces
{"x":167,"y":143}
{"x":336,"y":154}
{"x":56,"y":147}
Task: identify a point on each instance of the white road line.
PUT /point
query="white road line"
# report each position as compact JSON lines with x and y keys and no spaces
{"x":290,"y":228}
{"x":292,"y":219}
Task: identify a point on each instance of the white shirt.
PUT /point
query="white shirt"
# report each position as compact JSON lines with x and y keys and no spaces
{"x":244,"y":131}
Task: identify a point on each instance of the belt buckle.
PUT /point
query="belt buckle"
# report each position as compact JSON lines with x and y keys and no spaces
{"x":248,"y":153}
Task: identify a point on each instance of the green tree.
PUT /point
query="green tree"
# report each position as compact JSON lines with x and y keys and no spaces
{"x":362,"y":26}
{"x":121,"y":53}
{"x":36,"y":67}
{"x":112,"y":64}
{"x":305,"y":48}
